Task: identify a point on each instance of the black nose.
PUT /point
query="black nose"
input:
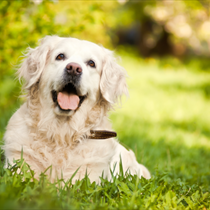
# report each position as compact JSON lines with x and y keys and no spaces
{"x":73,"y":69}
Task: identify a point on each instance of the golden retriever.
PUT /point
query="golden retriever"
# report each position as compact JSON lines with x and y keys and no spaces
{"x":70,"y":86}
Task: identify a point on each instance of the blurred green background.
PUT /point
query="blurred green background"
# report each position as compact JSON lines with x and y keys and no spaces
{"x":164,"y":46}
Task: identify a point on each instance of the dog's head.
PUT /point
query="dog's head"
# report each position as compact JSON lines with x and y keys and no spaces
{"x":72,"y":72}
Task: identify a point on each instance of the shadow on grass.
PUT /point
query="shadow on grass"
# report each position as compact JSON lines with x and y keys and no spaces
{"x":192,"y":63}
{"x":201,"y":63}
{"x":190,"y":126}
{"x":204,"y":88}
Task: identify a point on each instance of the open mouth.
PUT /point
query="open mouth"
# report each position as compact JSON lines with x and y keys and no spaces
{"x":67,"y":99}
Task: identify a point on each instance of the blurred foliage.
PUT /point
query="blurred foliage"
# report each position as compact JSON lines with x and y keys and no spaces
{"x":183,"y":26}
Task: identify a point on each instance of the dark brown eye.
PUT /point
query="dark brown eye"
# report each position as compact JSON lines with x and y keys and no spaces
{"x":60,"y":57}
{"x":91,"y":63}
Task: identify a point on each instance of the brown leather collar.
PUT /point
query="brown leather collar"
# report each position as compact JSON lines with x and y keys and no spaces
{"x":101,"y":134}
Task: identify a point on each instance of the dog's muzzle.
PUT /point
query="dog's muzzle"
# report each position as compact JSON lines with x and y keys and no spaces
{"x":67,"y":98}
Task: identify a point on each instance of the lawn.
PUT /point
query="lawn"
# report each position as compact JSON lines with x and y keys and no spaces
{"x":165,"y":121}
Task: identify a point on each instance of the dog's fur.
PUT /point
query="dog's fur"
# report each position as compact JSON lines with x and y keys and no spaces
{"x":49,"y":135}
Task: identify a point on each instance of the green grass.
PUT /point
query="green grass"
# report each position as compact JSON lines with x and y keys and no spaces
{"x":166,"y":117}
{"x":165,"y":121}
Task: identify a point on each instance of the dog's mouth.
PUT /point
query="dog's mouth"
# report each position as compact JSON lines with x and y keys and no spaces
{"x":67,"y":99}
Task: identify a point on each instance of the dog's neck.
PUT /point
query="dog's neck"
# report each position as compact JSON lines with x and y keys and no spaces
{"x":65,"y":131}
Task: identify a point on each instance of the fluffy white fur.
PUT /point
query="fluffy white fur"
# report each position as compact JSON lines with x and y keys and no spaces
{"x":49,"y":136}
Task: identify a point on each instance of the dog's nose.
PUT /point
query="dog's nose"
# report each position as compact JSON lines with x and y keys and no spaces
{"x":73,"y":69}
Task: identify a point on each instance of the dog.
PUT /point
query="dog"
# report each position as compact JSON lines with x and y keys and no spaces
{"x":70,"y":87}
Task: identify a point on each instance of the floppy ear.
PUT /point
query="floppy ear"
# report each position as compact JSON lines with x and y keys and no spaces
{"x":113,"y":80}
{"x":35,"y":61}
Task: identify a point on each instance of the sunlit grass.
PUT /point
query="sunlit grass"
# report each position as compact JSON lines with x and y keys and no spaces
{"x":171,"y":98}
{"x":166,"y":119}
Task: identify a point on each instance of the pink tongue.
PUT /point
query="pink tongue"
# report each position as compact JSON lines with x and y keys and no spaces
{"x":68,"y":101}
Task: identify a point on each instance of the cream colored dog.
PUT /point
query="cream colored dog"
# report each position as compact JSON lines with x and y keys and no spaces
{"x":71,"y":85}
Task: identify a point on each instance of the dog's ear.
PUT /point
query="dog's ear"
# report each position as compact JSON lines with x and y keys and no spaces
{"x":35,"y":61}
{"x":113,"y":79}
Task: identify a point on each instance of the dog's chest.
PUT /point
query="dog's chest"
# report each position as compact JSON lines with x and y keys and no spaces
{"x":92,"y":156}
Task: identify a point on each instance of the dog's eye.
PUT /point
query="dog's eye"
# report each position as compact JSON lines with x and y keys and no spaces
{"x":91,"y":63}
{"x":60,"y":57}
